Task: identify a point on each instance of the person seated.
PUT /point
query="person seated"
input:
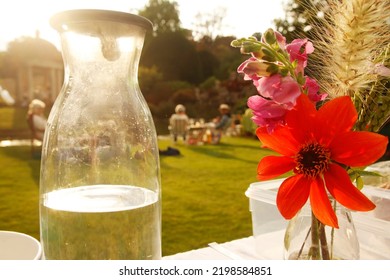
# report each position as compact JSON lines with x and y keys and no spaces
{"x":222,"y":123}
{"x":178,"y":123}
{"x":36,"y":118}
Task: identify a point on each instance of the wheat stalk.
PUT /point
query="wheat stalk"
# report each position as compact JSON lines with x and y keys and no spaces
{"x":353,"y":42}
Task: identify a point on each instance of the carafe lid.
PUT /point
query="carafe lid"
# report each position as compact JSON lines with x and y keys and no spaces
{"x":85,"y":15}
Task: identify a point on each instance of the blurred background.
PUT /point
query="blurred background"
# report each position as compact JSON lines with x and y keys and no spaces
{"x":187,"y":59}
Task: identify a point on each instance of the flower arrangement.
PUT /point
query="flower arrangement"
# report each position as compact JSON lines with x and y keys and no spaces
{"x":322,"y":137}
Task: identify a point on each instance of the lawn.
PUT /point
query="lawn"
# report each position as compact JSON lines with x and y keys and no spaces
{"x":203,"y":190}
{"x":13,"y":118}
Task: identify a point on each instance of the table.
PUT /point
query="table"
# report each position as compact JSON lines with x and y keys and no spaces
{"x":236,"y":250}
{"x":240,"y":249}
{"x":196,"y":134}
{"x":248,"y":249}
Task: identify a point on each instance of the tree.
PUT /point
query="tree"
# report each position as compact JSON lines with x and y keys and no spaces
{"x":169,"y":48}
{"x":209,"y":24}
{"x":163,"y":14}
{"x":173,"y":55}
{"x":302,"y":17}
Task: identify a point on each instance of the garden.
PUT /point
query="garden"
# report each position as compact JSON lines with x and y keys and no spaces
{"x":203,"y":189}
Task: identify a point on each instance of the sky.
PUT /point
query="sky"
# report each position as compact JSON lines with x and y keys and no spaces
{"x":243,"y":17}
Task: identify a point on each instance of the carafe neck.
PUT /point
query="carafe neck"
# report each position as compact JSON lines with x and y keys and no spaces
{"x":93,"y":51}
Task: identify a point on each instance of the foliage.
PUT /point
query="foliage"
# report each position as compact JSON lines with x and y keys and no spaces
{"x":207,"y":64}
{"x":209,"y":83}
{"x":149,"y":78}
{"x":163,"y":14}
{"x":177,"y":56}
{"x":300,"y":14}
{"x":184,"y":96}
{"x":248,"y":126}
{"x":173,"y":54}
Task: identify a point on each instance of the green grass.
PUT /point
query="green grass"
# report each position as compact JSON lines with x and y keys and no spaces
{"x":203,"y":192}
{"x":13,"y":118}
{"x":19,"y":177}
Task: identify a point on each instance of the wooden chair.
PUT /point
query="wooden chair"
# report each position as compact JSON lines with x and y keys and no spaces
{"x":35,"y":140}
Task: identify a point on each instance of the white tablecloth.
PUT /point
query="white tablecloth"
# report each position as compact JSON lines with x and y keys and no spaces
{"x":268,"y":246}
{"x":239,"y":249}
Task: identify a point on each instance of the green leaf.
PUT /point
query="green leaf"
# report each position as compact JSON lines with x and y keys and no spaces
{"x":301,"y":79}
{"x":284,"y":72}
{"x":236,"y":43}
{"x":359,"y":182}
{"x":357,"y":175}
{"x":272,"y":68}
{"x":369,"y":173}
{"x":248,"y":47}
{"x":269,"y":36}
{"x":269,"y":55}
{"x":268,"y":58}
{"x":356,"y":172}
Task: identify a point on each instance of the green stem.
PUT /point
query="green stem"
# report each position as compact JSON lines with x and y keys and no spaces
{"x":324,"y":243}
{"x":315,"y":241}
{"x":332,"y":231}
{"x":331,"y":243}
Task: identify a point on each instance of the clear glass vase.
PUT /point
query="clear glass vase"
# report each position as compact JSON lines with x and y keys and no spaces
{"x":306,"y":238}
{"x":100,"y":170}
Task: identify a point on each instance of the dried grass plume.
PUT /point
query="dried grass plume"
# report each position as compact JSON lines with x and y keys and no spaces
{"x":353,"y":50}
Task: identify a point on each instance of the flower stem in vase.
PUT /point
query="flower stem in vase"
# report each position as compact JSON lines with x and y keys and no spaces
{"x":324,"y":243}
{"x":315,"y":241}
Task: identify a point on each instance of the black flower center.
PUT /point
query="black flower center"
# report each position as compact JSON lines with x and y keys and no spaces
{"x":312,"y":160}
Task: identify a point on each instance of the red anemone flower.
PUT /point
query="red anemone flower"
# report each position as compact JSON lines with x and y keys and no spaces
{"x":316,"y":145}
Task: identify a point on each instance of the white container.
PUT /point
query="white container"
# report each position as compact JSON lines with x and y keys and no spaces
{"x":19,"y":246}
{"x":373,"y":228}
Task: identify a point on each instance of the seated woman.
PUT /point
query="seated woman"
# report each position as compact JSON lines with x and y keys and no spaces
{"x":178,"y":123}
{"x":36,"y":118}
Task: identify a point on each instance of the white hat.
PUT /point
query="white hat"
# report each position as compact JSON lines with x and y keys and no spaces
{"x":180,"y":108}
{"x":224,"y":107}
{"x":36,"y":103}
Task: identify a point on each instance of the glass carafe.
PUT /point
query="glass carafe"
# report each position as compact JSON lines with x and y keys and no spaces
{"x":100,"y":172}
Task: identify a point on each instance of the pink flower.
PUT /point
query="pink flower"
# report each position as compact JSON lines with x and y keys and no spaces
{"x":266,"y":113}
{"x":312,"y":90}
{"x":253,"y":69}
{"x":282,"y":90}
{"x":298,"y":50}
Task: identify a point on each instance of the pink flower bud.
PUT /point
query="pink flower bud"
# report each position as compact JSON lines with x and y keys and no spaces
{"x":254,"y":69}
